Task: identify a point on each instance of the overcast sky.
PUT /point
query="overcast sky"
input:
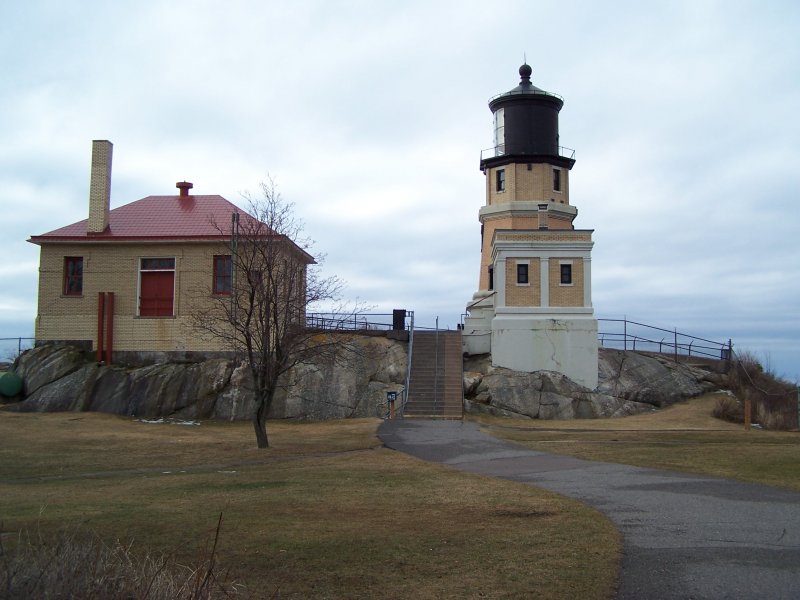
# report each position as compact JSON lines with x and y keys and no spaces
{"x":371,"y":117}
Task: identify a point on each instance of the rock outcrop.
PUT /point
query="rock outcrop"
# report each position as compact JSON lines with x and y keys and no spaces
{"x":62,"y":378}
{"x":351,"y":384}
{"x":47,"y":364}
{"x":630,"y":383}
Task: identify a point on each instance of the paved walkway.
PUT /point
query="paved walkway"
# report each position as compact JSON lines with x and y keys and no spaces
{"x":684,"y":536}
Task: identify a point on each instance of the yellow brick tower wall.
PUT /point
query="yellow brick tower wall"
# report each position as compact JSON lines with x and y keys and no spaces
{"x":566,"y":295}
{"x":521,"y":294}
{"x":490,"y":225}
{"x":521,"y":185}
{"x":524,"y":185}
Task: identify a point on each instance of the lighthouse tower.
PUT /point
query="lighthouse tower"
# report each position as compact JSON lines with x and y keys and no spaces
{"x":533,"y":308}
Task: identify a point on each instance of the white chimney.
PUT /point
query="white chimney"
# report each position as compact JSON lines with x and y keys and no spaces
{"x":100,"y":186}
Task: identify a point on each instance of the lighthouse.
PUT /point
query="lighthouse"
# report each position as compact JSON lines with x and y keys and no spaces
{"x":533,"y":308}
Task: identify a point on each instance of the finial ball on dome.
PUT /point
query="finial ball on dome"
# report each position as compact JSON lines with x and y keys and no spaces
{"x":525,"y":71}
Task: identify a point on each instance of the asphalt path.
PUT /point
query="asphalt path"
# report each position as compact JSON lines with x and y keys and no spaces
{"x":684,"y":536}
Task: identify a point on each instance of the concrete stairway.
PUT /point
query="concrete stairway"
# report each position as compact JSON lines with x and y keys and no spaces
{"x":436,"y":386}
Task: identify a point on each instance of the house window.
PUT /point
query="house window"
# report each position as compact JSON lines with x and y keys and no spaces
{"x":566,"y":273}
{"x":156,"y":287}
{"x":500,"y":180}
{"x":522,"y":273}
{"x":73,"y":275}
{"x":556,"y":180}
{"x":222,"y":274}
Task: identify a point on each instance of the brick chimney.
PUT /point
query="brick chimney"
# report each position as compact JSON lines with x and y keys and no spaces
{"x":184,"y":187}
{"x":100,"y":187}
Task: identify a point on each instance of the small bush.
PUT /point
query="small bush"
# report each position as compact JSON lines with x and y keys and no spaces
{"x":774,"y":401}
{"x":80,"y":565}
{"x":729,"y":409}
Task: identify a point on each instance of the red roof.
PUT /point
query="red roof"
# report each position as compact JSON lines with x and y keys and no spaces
{"x":159,"y":218}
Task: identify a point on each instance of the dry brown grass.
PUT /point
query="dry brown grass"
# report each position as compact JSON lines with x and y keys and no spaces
{"x":94,"y":442}
{"x":326,"y":513}
{"x":77,"y":564}
{"x":683,"y":437}
{"x":692,"y":415}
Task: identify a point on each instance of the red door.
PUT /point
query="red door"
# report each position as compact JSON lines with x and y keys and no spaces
{"x":157,"y":288}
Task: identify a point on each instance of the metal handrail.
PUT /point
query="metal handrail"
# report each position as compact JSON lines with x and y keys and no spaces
{"x":436,"y":369}
{"x":20,"y":346}
{"x":688,"y":344}
{"x":409,"y":314}
{"x":527,"y":91}
{"x":494,"y":152}
{"x":350,"y":321}
{"x":477,"y":302}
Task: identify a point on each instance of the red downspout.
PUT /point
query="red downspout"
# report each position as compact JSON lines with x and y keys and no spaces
{"x":101,"y":302}
{"x":109,"y":327}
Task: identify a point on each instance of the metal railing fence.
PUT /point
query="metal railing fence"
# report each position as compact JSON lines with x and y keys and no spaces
{"x":404,"y":401}
{"x":355,"y":321}
{"x":496,"y":151}
{"x":631,"y":335}
{"x":11,"y":347}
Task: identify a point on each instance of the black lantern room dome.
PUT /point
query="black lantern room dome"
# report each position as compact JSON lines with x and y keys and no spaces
{"x":526,"y":125}
{"x":526,"y":87}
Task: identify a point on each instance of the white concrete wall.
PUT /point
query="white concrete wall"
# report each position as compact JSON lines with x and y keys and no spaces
{"x":477,"y":335}
{"x":566,"y":344}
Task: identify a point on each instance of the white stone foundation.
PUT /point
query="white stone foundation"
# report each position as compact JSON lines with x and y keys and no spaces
{"x":566,"y":344}
{"x":477,"y":334}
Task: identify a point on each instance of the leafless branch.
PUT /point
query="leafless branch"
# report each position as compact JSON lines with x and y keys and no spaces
{"x":273,"y":278}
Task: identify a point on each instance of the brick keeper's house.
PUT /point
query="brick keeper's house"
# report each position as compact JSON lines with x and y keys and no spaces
{"x":128,"y":279}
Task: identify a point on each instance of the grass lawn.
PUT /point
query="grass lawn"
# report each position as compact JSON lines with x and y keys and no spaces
{"x":327,"y":512}
{"x":683,"y":437}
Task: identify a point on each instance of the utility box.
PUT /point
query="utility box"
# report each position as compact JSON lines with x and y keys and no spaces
{"x":399,"y":319}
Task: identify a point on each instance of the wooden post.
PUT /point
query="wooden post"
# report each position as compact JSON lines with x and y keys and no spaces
{"x":109,"y":327}
{"x":101,"y":303}
{"x":748,"y":405}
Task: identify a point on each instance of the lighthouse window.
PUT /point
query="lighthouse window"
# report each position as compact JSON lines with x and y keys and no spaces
{"x":556,"y":180}
{"x":566,"y":273}
{"x":522,"y":273}
{"x":500,"y":175}
{"x":499,"y":132}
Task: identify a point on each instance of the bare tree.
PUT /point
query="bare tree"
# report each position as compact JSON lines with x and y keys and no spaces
{"x":269,"y":280}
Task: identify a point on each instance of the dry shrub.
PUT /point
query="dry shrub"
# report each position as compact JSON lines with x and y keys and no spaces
{"x":774,"y":401}
{"x":76,"y":564}
{"x":730,"y":409}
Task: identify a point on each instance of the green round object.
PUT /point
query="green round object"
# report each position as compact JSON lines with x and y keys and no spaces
{"x":10,"y":384}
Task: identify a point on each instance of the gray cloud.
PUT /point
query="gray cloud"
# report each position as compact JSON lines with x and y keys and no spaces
{"x":372,"y":116}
